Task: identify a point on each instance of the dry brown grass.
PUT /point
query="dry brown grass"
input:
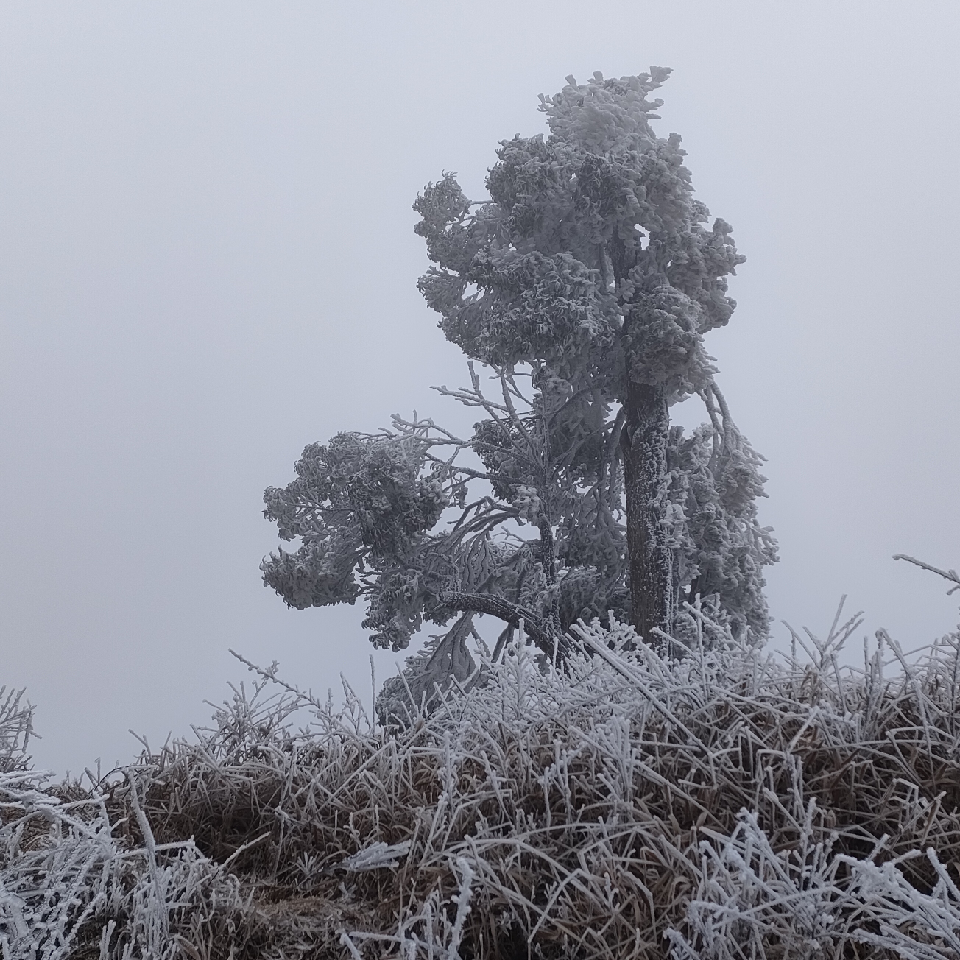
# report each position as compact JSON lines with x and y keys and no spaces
{"x":722,"y":804}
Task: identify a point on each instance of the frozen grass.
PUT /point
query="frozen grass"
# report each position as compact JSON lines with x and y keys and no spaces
{"x":16,"y":726}
{"x":725,"y":803}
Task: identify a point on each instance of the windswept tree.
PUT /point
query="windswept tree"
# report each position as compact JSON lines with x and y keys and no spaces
{"x":585,"y":285}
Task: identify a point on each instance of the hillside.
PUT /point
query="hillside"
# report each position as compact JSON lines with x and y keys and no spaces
{"x":723,"y":802}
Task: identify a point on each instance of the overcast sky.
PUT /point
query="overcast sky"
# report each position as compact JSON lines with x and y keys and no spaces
{"x":207,"y":261}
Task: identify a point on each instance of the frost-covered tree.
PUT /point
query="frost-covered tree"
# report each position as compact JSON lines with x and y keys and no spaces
{"x":593,"y":262}
{"x":584,"y":285}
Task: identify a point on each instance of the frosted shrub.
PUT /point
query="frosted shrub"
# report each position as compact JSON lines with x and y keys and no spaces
{"x":16,"y":726}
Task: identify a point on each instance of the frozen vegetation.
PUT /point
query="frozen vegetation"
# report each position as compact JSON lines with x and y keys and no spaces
{"x":714,"y":802}
{"x":629,"y":772}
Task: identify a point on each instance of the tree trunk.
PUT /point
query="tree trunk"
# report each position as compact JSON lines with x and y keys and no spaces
{"x":644,"y":443}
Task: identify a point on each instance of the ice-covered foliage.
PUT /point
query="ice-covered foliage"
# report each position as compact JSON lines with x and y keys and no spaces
{"x":718,"y":548}
{"x":721,"y":804}
{"x":593,"y":262}
{"x":400,"y":519}
{"x":592,"y":255}
{"x":361,"y":507}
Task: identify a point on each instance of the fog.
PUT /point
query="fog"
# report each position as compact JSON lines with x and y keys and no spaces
{"x":207,"y":261}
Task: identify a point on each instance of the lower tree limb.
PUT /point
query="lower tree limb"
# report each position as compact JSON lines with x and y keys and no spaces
{"x":547,"y":640}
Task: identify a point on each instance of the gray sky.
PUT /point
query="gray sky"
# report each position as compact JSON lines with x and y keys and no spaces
{"x":207,"y":261}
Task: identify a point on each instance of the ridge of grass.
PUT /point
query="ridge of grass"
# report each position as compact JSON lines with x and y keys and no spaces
{"x":721,"y":802}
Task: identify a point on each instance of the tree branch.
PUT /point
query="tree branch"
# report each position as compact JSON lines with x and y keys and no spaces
{"x":547,"y":640}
